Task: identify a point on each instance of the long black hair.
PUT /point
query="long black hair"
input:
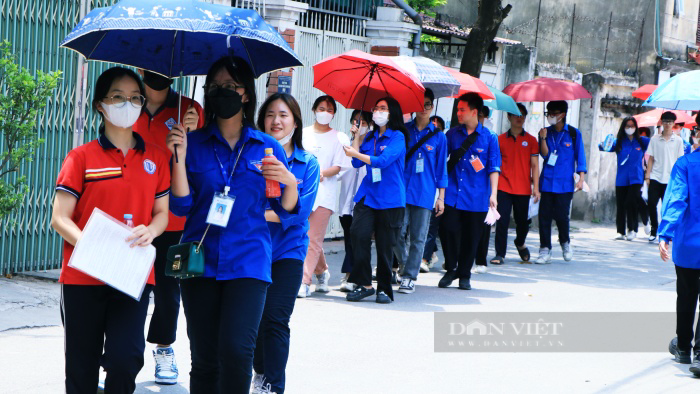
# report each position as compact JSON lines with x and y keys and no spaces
{"x":293,"y":105}
{"x":104,"y":84}
{"x":621,"y":135}
{"x":395,"y":117}
{"x":241,"y":73}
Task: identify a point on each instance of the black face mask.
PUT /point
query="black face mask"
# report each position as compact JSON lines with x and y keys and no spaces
{"x":225,"y":103}
{"x":156,"y":81}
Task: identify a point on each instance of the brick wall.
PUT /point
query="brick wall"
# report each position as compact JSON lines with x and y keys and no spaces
{"x":385,"y":51}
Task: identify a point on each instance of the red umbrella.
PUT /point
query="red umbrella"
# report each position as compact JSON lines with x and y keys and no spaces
{"x":357,"y":80}
{"x":546,"y":89}
{"x":652,"y":118}
{"x":470,"y":84}
{"x":644,"y":92}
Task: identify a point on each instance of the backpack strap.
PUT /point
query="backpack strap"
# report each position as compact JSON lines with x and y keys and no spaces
{"x":422,"y":141}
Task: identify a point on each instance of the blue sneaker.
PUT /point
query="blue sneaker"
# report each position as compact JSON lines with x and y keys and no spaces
{"x":166,"y":368}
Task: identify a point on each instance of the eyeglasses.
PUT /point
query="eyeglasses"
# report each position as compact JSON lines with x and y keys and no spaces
{"x":668,"y":121}
{"x":380,"y":109}
{"x":213,"y":87}
{"x":552,"y":113}
{"x":427,"y":106}
{"x":119,"y":100}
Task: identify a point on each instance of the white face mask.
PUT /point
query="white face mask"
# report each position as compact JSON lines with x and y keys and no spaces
{"x":380,"y":118}
{"x":283,"y":141}
{"x":552,"y":120}
{"x":124,"y":116}
{"x":630,"y":130}
{"x":364,"y":130}
{"x":324,"y":117}
{"x":696,"y":140}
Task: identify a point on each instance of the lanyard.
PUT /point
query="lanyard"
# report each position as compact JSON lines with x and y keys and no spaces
{"x":223,"y":171}
{"x":556,"y":145}
{"x":376,"y":137}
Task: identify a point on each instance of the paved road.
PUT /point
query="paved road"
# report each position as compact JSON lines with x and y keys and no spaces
{"x":343,"y":347}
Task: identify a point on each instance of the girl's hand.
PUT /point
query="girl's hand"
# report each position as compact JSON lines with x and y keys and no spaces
{"x":177,"y":136}
{"x":665,"y":250}
{"x":354,"y":130}
{"x":141,"y":235}
{"x":350,"y":151}
{"x":190,"y":120}
{"x":273,"y":169}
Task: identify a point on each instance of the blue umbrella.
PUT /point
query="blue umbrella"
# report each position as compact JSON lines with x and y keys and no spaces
{"x":430,"y":73}
{"x":179,"y":37}
{"x":681,"y":92}
{"x":502,"y":102}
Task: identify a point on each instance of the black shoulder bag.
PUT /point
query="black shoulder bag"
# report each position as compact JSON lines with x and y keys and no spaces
{"x":456,"y":156}
{"x":420,"y":143}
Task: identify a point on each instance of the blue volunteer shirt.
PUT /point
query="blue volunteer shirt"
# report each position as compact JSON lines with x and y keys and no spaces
{"x":560,"y":177}
{"x":242,"y":249}
{"x":687,"y":147}
{"x":421,"y":186}
{"x":387,"y":153}
{"x":289,"y":238}
{"x":680,"y":212}
{"x":630,"y":170}
{"x":467,"y":189}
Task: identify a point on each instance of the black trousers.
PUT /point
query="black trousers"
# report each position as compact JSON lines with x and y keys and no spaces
{"x":432,"y":238}
{"x":272,"y":348}
{"x":166,"y":294}
{"x":346,"y":223}
{"x":656,"y":194}
{"x":687,"y":293}
{"x":627,"y":206}
{"x":385,"y":224}
{"x":483,"y":250}
{"x":223,"y":317}
{"x":642,"y":209}
{"x":460,"y":233}
{"x":520,"y":205}
{"x":97,"y":317}
{"x":554,"y":206}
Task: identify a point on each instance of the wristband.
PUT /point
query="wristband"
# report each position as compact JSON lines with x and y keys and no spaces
{"x":441,"y":199}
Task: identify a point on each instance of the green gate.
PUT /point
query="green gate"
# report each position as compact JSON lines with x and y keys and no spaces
{"x":35,"y":28}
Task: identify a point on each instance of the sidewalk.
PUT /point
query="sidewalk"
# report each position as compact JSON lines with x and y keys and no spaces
{"x":369,"y":348}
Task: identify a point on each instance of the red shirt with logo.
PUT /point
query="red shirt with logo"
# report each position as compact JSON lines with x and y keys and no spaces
{"x":100,"y":176}
{"x":154,"y":128}
{"x":516,"y":152}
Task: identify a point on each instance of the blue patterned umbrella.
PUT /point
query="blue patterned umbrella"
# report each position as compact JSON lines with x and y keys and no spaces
{"x":430,"y":73}
{"x":502,"y":102}
{"x":681,"y":92}
{"x":179,"y":37}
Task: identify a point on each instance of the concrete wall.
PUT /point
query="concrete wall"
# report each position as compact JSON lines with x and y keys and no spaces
{"x":678,"y":31}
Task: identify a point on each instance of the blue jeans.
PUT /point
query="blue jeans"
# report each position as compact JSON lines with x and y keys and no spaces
{"x":272,"y":348}
{"x":222,"y":323}
{"x":416,"y":221}
{"x":432,"y":238}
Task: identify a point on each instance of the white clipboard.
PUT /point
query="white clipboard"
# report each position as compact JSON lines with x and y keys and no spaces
{"x":103,"y":253}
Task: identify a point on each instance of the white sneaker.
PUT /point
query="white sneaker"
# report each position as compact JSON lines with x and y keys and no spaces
{"x":166,"y":368}
{"x":434,"y":259}
{"x":304,"y":291}
{"x":481,"y":269}
{"x":424,"y":267}
{"x":346,"y":287}
{"x":545,"y":256}
{"x":647,"y":229}
{"x":322,"y":285}
{"x":652,"y":238}
{"x":567,"y":251}
{"x":619,"y":237}
{"x":256,"y":385}
{"x":631,"y":235}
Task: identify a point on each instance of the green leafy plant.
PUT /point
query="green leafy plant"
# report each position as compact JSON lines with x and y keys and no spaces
{"x":22,"y":97}
{"x":429,"y":39}
{"x":426,"y":6}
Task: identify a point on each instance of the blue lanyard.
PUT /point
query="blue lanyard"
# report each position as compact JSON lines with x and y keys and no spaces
{"x":223,"y":171}
{"x":556,"y":145}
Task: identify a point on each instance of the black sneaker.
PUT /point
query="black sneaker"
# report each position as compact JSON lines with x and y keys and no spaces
{"x":395,"y":279}
{"x":464,"y":284}
{"x":407,"y":286}
{"x":695,"y":367}
{"x":447,"y":279}
{"x":359,"y":293}
{"x":682,"y":356}
{"x":382,"y":298}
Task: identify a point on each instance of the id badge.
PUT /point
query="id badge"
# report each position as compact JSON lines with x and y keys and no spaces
{"x":419,"y":165}
{"x":552,"y":159}
{"x":220,"y":209}
{"x":476,"y":163}
{"x":625,"y":161}
{"x":376,"y":175}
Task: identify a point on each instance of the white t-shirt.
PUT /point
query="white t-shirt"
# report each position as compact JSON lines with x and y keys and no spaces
{"x":665,"y":154}
{"x":350,"y":181}
{"x":328,"y":149}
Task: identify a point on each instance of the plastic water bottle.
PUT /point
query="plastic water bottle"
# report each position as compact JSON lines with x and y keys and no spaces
{"x":272,"y":188}
{"x":608,"y":142}
{"x":129,"y":220}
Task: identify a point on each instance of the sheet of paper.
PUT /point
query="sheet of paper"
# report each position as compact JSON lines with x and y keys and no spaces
{"x":103,"y":254}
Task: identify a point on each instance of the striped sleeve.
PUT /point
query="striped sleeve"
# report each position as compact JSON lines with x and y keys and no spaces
{"x":71,"y":177}
{"x":163,"y":169}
